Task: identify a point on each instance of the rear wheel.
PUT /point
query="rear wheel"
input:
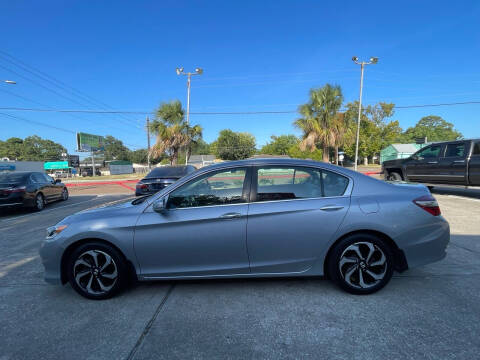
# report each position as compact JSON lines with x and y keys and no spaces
{"x":394,"y":176}
{"x":361,"y":264}
{"x":97,"y":271}
{"x":65,"y":194}
{"x":39,"y":202}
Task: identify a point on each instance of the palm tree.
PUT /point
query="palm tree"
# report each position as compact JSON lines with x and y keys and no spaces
{"x":318,"y":118}
{"x":172,"y":131}
{"x":342,"y":127}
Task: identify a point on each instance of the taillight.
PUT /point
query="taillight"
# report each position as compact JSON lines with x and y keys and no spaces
{"x":16,"y":190}
{"x":429,"y":204}
{"x":142,"y":186}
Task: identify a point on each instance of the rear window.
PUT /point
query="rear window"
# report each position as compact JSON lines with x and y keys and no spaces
{"x":455,"y":150}
{"x":12,"y":177}
{"x":476,"y":148}
{"x":174,"y":171}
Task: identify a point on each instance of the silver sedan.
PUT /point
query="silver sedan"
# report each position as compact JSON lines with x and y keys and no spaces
{"x":252,"y":218}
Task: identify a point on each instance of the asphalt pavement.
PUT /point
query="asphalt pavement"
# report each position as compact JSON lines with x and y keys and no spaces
{"x":431,"y":312}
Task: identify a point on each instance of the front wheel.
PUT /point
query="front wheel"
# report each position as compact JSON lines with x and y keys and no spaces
{"x":97,"y":271}
{"x":394,"y":176}
{"x":361,"y":264}
{"x":39,"y":202}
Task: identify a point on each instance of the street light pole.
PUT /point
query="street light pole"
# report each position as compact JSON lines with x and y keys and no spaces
{"x":198,"y":71}
{"x":373,"y":60}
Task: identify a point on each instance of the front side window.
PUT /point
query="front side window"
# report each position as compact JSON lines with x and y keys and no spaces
{"x":429,"y":152}
{"x":218,"y":188}
{"x":285,"y":183}
{"x":38,"y":178}
{"x":455,"y":150}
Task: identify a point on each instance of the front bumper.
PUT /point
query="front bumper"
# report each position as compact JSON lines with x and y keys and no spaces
{"x":51,"y":254}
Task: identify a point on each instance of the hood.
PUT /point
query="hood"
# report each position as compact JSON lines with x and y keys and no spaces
{"x":113,"y":205}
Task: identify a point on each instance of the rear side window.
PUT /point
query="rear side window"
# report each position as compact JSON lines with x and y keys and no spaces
{"x":38,"y":178}
{"x":476,"y":148}
{"x":286,"y":183}
{"x":455,"y":150}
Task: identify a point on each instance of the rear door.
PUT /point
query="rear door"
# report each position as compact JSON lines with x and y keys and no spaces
{"x":452,"y":167}
{"x":42,"y":185}
{"x":294,"y":211}
{"x":474,"y":165}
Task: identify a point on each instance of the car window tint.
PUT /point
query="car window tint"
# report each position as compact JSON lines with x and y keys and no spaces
{"x":47,"y":178}
{"x":281,"y":183}
{"x":219,"y":188}
{"x":38,"y":178}
{"x":333,"y":184}
{"x":476,"y":148}
{"x":430,"y":152}
{"x":455,"y":150}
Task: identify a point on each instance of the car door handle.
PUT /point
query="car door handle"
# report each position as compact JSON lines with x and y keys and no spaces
{"x":231,"y":215}
{"x":331,"y":208}
{"x":433,"y":162}
{"x":459,"y":161}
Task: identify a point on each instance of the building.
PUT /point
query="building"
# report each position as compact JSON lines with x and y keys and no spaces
{"x":21,"y":166}
{"x":399,"y":151}
{"x":201,"y":160}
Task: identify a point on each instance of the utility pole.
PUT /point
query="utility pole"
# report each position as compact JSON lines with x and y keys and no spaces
{"x":198,"y":71}
{"x":373,"y":60}
{"x":148,"y":142}
{"x":93,"y":163}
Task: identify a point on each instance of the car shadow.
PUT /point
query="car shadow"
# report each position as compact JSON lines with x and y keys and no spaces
{"x":457,"y":191}
{"x":18,"y":210}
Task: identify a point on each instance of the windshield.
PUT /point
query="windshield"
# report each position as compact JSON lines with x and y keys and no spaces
{"x":13,"y":177}
{"x":173,"y":171}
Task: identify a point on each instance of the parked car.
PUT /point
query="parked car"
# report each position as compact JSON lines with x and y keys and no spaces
{"x":30,"y":189}
{"x":451,"y":163}
{"x":161,"y":177}
{"x":252,"y":218}
{"x":89,"y":172}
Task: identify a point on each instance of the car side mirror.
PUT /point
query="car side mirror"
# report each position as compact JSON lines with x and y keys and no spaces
{"x":160,"y":206}
{"x":57,"y":181}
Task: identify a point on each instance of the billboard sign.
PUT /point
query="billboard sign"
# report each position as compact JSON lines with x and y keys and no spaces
{"x":55,"y":165}
{"x":89,"y":142}
{"x":73,"y":160}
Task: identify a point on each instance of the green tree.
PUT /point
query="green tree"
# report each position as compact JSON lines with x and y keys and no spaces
{"x":172,"y":131}
{"x":279,"y":145}
{"x":12,"y":148}
{"x":434,"y":128}
{"x":318,"y":117}
{"x":295,"y":152}
{"x":200,"y":148}
{"x":32,"y":148}
{"x":115,"y":150}
{"x":232,"y":145}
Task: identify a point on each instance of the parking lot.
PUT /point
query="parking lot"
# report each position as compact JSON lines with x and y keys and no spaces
{"x":431,"y":312}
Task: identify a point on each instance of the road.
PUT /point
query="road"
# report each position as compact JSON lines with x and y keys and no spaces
{"x":431,"y":313}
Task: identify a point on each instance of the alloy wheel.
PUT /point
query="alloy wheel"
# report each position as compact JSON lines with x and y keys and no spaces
{"x":65,"y":194}
{"x":95,"y":272}
{"x":40,"y":202}
{"x":363,"y":265}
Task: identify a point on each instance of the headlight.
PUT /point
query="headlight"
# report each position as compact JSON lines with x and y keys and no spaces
{"x":52,"y":231}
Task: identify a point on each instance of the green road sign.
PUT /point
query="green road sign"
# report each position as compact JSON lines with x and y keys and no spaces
{"x":55,"y":165}
{"x":89,"y":142}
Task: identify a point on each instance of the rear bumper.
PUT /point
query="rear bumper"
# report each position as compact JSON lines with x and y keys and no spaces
{"x":429,"y":249}
{"x":15,"y":200}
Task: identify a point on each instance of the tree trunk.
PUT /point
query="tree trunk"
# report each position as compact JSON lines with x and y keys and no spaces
{"x":325,"y":156}
{"x":173,"y":161}
{"x":336,"y":155}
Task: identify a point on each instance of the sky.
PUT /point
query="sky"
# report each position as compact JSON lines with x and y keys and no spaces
{"x":256,"y":56}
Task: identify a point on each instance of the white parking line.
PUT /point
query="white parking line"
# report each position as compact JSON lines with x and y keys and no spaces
{"x":48,"y":210}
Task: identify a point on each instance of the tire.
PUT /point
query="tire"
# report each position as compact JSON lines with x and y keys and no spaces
{"x":64,"y":194}
{"x":352,"y":272}
{"x":394,"y":176}
{"x":86,"y":275}
{"x":39,"y":203}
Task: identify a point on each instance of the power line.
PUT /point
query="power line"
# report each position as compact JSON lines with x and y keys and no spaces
{"x":214,"y":113}
{"x":38,"y":123}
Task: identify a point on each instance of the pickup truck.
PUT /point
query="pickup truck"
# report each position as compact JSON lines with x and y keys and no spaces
{"x":451,"y":163}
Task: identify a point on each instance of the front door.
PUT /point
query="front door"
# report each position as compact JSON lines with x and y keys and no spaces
{"x":201,"y":232}
{"x":294,"y":212}
{"x":426,"y":164}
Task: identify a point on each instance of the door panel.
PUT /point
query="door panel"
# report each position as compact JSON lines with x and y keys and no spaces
{"x":202,"y":230}
{"x":294,"y":212}
{"x":453,"y":165}
{"x":193,"y":241}
{"x":426,"y":166}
